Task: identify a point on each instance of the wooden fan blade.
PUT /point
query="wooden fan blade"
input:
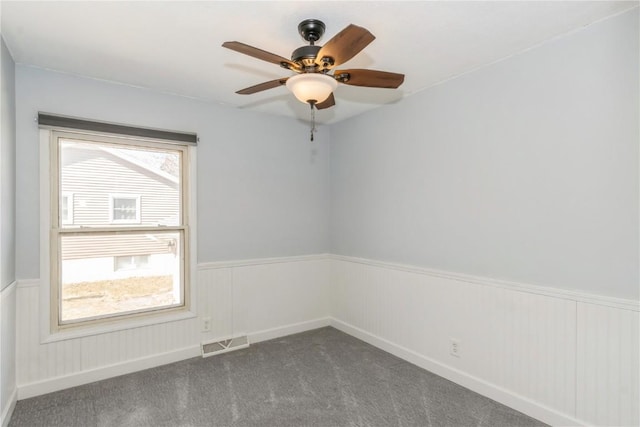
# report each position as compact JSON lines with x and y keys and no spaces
{"x":261,"y":54}
{"x":343,"y":46}
{"x":329,"y":102}
{"x":369,"y":78}
{"x":263,"y":86}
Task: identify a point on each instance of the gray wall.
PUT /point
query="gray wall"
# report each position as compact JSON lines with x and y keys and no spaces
{"x":7,"y":169}
{"x":7,"y":228}
{"x":524,"y":170}
{"x":262,"y":188}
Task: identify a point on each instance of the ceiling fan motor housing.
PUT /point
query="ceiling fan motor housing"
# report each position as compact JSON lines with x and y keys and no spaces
{"x":305,"y":55}
{"x":311,"y":30}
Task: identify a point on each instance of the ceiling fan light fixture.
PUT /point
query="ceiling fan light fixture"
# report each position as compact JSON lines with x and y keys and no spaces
{"x":311,"y":87}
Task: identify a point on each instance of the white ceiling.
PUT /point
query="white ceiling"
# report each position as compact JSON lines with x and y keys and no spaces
{"x":176,"y":46}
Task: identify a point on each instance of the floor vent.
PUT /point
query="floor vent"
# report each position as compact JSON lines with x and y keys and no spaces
{"x":224,"y":346}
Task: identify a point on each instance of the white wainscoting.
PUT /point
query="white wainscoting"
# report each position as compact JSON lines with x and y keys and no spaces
{"x":562,"y":357}
{"x":260,"y":298}
{"x":8,"y":389}
{"x":607,"y":365}
{"x":271,"y":297}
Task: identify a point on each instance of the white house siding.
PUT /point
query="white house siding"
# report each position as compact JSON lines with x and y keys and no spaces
{"x":84,"y":270}
{"x":92,"y":175}
{"x":73,"y":247}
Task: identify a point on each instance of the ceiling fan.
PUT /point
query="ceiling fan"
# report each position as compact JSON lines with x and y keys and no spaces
{"x":313,"y":83}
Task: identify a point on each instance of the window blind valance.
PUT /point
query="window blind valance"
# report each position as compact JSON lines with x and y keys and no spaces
{"x":46,"y":120}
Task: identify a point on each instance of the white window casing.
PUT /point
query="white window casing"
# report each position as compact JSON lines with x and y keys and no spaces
{"x":55,"y":225}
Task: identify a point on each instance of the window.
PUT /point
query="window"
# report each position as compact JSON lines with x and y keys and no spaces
{"x":133,"y":262}
{"x":66,"y":208}
{"x":124,"y":209}
{"x":119,"y":228}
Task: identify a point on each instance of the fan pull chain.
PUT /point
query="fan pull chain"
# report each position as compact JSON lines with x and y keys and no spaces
{"x":313,"y":121}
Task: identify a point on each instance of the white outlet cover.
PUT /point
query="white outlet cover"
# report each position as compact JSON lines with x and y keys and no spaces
{"x":206,"y":324}
{"x":454,"y":347}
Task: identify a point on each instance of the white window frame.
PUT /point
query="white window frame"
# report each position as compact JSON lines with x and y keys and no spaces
{"x":50,"y":331}
{"x":112,"y":198}
{"x":69,"y":220}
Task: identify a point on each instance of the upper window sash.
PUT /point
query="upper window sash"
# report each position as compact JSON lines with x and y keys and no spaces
{"x":112,"y":144}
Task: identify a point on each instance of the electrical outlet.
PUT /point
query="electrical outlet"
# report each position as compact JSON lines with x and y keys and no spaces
{"x":206,"y":324}
{"x":454,"y":347}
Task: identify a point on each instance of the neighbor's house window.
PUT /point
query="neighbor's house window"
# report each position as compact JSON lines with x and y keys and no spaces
{"x":119,"y":228}
{"x":124,"y":209}
{"x":133,"y":262}
{"x":66,"y":208}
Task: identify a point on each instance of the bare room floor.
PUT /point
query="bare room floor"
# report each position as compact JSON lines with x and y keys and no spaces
{"x":318,"y":378}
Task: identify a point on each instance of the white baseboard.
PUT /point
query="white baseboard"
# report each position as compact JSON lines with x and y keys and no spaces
{"x":60,"y":383}
{"x":8,"y":411}
{"x":268,"y":334}
{"x":499,"y":394}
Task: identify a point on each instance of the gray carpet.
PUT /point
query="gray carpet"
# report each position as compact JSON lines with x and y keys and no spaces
{"x":318,"y":378}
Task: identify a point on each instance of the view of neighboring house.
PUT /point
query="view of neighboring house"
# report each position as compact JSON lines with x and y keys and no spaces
{"x":103,"y":187}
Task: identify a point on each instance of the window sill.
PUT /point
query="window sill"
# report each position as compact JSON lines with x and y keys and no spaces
{"x":107,"y":327}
